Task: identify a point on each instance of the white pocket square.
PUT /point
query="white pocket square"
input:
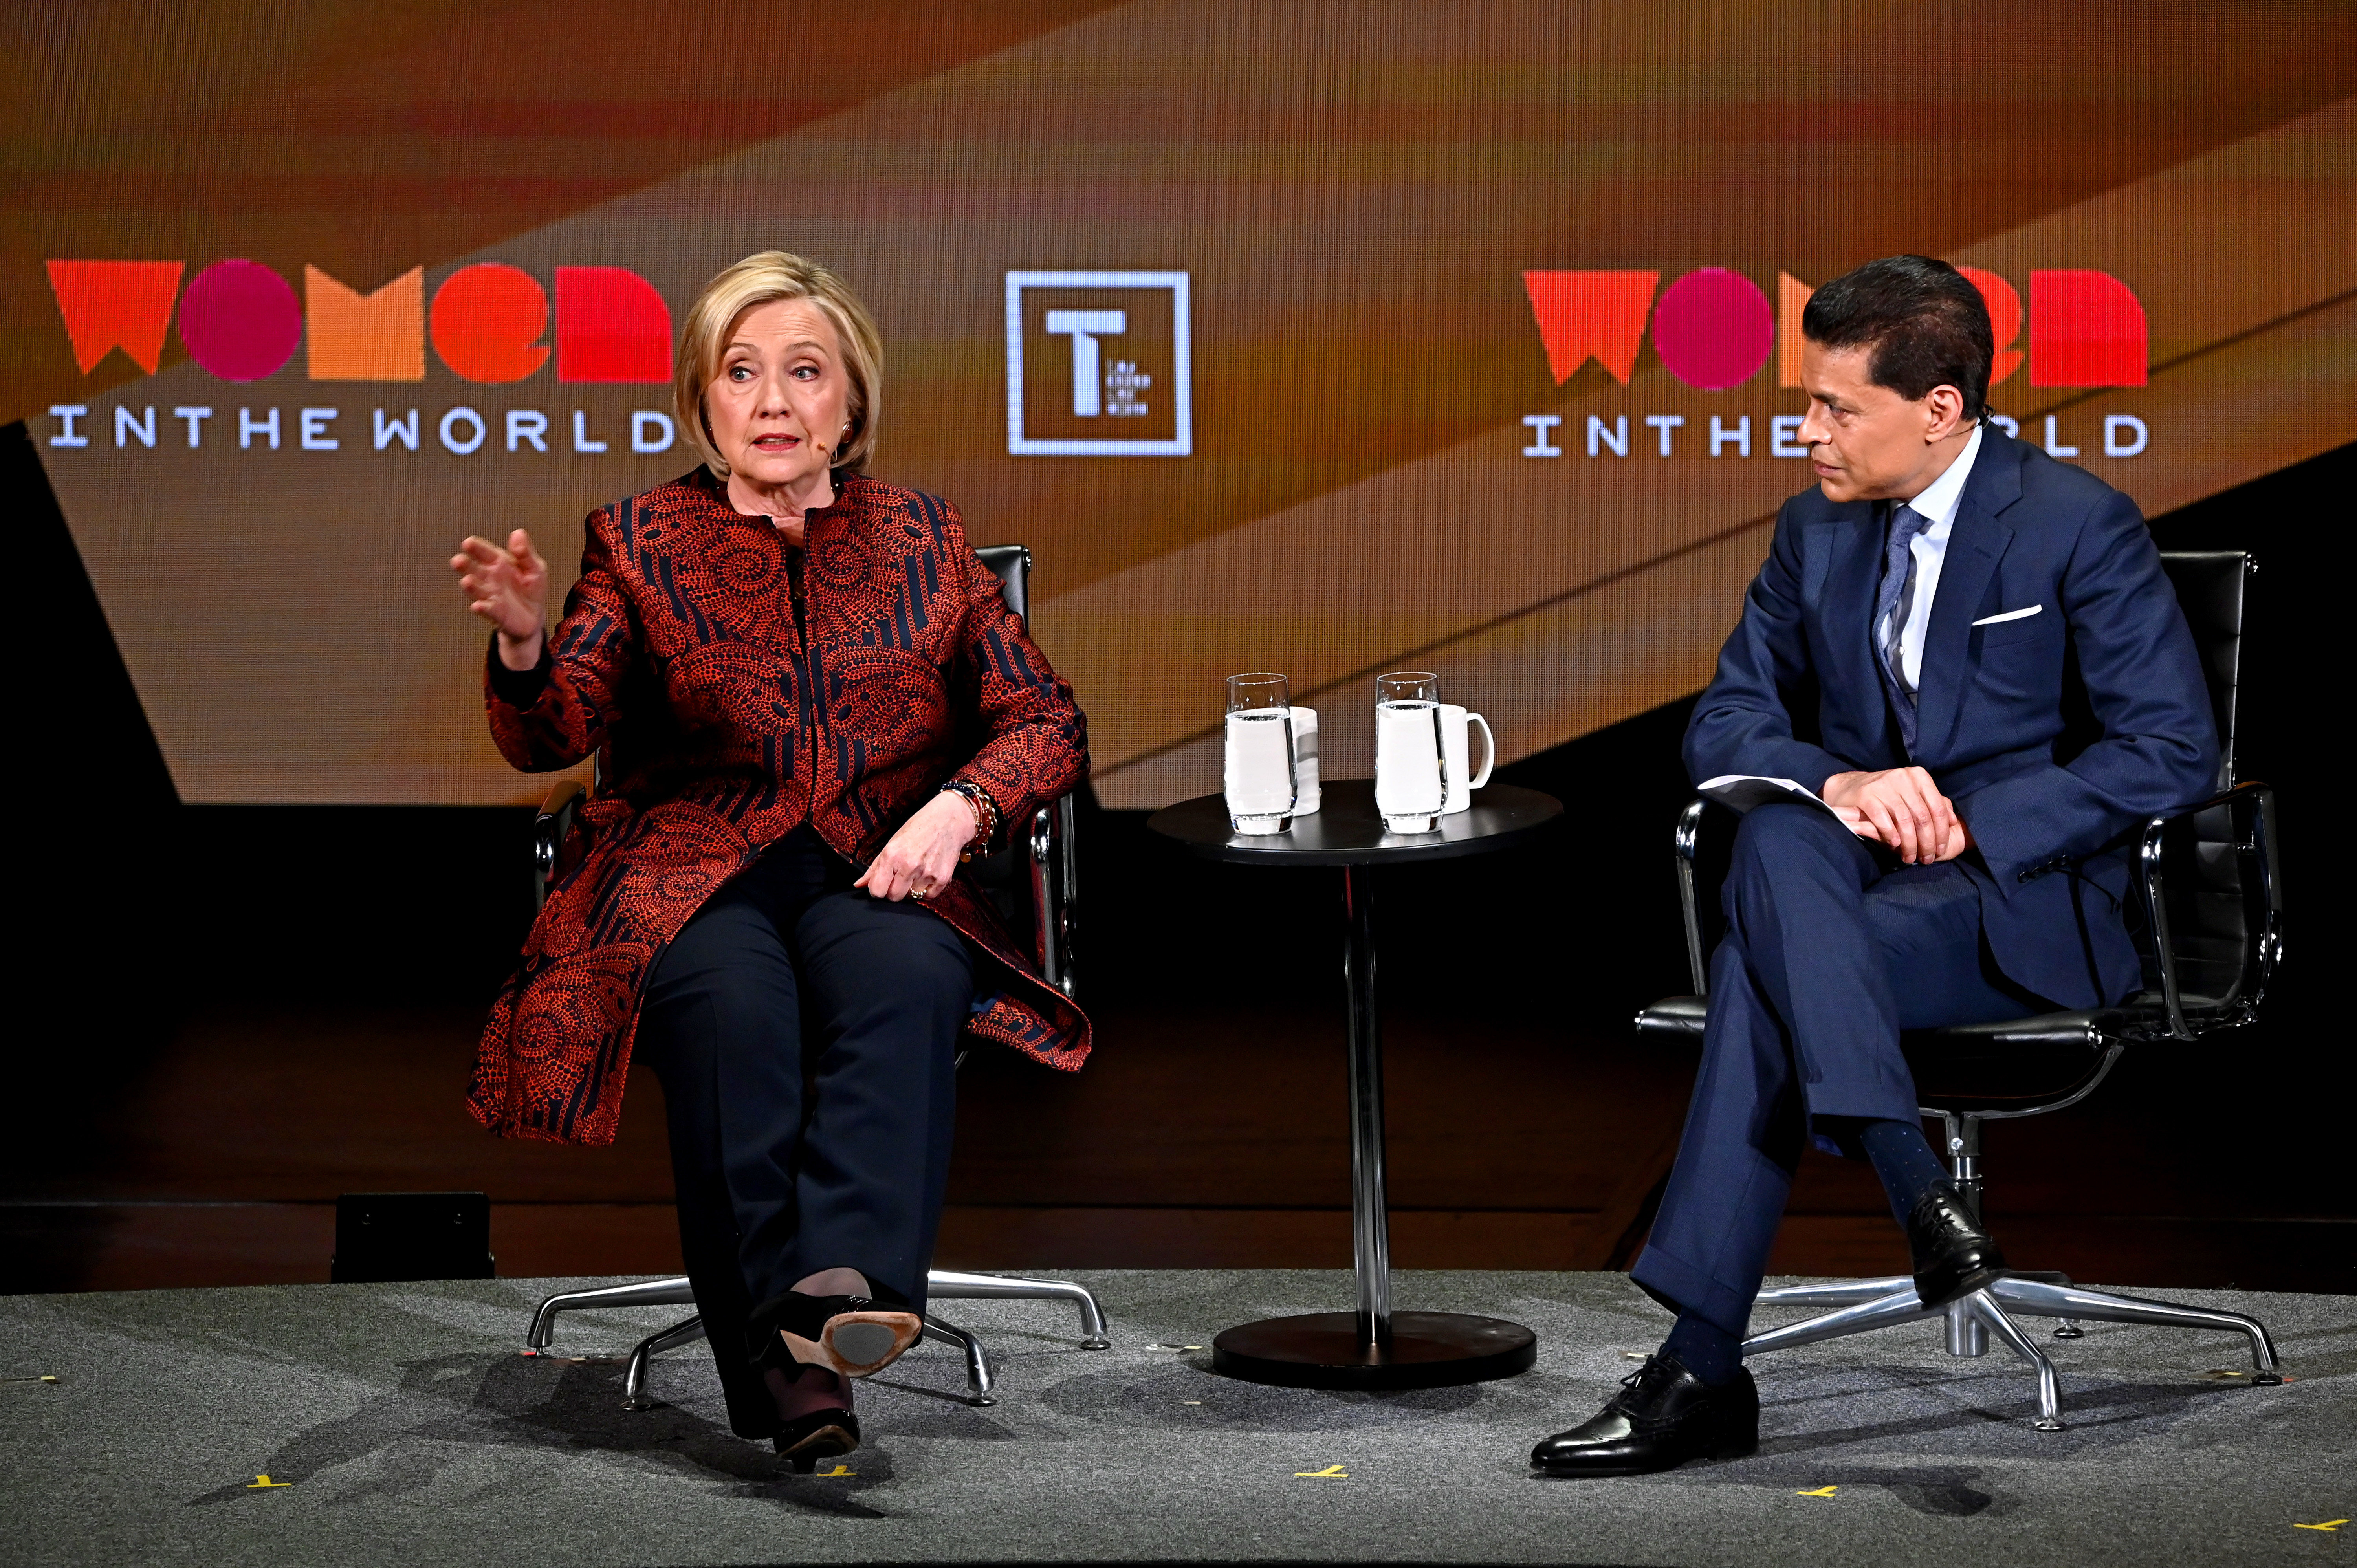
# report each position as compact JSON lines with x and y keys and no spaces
{"x":2010,"y":615}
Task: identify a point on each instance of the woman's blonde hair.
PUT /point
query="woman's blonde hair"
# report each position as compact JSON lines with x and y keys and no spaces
{"x":760,"y":279}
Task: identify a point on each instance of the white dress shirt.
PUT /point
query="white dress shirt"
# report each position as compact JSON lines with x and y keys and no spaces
{"x":1938,"y":503}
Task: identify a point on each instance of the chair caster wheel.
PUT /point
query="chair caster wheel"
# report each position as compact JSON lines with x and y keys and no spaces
{"x":2069,"y":1330}
{"x":2266,"y":1377}
{"x":2044,"y":1425}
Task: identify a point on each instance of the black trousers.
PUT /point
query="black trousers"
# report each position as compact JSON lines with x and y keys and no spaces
{"x":806,"y":1037}
{"x":1833,"y":947}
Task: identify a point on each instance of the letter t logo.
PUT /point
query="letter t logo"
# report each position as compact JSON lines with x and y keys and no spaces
{"x":1084,"y":327}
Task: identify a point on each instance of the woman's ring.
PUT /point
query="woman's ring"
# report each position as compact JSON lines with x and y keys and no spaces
{"x":916,"y":892}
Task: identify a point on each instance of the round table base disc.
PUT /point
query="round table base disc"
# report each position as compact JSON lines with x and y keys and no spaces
{"x":1427,"y":1350}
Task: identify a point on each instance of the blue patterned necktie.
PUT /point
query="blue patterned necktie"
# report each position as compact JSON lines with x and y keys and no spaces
{"x":1892,"y":605}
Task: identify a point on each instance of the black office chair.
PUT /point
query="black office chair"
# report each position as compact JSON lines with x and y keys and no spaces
{"x":2209,"y":923}
{"x":1035,"y":883}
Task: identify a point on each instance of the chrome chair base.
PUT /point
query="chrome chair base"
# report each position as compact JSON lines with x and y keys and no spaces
{"x":1862,"y":1305}
{"x":941,"y":1284}
{"x":634,"y":1376}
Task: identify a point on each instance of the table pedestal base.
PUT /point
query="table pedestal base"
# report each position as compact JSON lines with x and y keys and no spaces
{"x":1323,"y":1350}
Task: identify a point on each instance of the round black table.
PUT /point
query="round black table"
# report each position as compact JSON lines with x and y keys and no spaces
{"x":1373,"y":1347}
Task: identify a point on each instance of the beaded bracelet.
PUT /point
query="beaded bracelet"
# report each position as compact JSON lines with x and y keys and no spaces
{"x":985,"y":815}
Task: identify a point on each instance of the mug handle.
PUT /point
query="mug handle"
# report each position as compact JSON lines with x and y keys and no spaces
{"x":1490,"y":753}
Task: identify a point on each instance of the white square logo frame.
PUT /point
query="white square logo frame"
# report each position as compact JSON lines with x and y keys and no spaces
{"x":1180,"y":445}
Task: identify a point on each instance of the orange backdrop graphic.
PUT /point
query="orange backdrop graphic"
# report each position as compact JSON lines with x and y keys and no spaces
{"x":291,"y":305}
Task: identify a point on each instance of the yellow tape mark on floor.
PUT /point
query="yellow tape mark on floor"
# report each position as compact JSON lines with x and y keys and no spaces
{"x":1330,"y":1473}
{"x":1820,"y":1492}
{"x":2331,"y":1526}
{"x":259,"y":1482}
{"x":838,"y":1470}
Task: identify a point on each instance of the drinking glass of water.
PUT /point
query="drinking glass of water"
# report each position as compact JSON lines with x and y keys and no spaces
{"x":1411,"y":768}
{"x":1261,"y":786}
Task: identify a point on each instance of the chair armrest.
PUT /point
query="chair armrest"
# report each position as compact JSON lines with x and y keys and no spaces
{"x":2251,"y":810}
{"x":1686,"y":842}
{"x":559,"y":816}
{"x":1054,"y":859}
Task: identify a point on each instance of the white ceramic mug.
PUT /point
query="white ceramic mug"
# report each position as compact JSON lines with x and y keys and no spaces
{"x":1305,"y":761}
{"x":1456,"y":739}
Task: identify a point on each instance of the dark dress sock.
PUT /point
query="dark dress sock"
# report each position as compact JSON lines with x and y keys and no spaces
{"x":1708,"y":1351}
{"x":1902,"y":1157}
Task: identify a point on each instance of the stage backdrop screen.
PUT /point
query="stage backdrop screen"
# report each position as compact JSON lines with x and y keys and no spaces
{"x":1321,"y":338}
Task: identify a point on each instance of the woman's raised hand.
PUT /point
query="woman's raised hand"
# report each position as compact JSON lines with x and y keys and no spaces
{"x":508,"y":588}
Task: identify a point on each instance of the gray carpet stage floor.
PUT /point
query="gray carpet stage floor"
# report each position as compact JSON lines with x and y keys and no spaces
{"x":399,"y":1426}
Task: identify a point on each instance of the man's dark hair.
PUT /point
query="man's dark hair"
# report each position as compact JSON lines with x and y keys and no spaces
{"x":1925,"y":322}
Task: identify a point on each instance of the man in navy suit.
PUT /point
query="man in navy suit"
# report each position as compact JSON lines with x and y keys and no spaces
{"x":1968,"y":651}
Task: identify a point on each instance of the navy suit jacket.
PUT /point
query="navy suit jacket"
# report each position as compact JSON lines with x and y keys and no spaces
{"x":2053,"y":733}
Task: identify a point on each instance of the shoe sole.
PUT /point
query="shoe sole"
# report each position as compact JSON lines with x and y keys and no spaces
{"x":1739,"y":1449}
{"x":1602,"y":1473}
{"x":857,"y":1344}
{"x":826,"y":1443}
{"x":1979,"y":1279}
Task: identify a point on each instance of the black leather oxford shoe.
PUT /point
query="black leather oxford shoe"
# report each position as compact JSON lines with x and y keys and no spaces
{"x":1662,"y":1416}
{"x":1954,"y":1256}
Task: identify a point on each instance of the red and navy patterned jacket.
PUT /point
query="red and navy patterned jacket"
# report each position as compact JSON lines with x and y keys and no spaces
{"x":726,"y":726}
